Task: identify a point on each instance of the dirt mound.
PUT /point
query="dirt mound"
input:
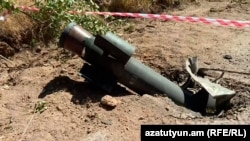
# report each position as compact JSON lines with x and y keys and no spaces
{"x":15,"y":34}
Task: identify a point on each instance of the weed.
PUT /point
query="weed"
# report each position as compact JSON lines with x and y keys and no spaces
{"x":55,"y":15}
{"x":49,"y":22}
{"x":7,"y":5}
{"x":40,"y":107}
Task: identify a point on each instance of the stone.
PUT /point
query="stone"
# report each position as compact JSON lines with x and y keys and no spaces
{"x":109,"y":101}
{"x":227,"y":57}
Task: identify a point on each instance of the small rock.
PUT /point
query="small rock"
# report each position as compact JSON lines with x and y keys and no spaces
{"x":92,"y":116}
{"x":227,"y":57}
{"x":217,"y":9}
{"x":59,"y":108}
{"x":207,"y":63}
{"x":241,"y":109}
{"x":63,"y":71}
{"x":71,"y":73}
{"x":89,"y":130}
{"x":6,"y":87}
{"x":38,"y":49}
{"x":213,"y":9}
{"x":106,"y":122}
{"x":141,"y":118}
{"x":109,"y":101}
{"x":167,"y":109}
{"x":152,"y":26}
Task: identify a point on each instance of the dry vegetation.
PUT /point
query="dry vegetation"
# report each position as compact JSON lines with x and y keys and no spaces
{"x":19,"y":29}
{"x":151,"y":6}
{"x":16,"y":31}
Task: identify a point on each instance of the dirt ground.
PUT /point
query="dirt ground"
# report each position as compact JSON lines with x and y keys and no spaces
{"x":73,"y":106}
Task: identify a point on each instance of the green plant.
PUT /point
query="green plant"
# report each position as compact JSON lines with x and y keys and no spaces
{"x":8,"y":5}
{"x":40,"y":107}
{"x":54,"y":15}
{"x":5,"y":4}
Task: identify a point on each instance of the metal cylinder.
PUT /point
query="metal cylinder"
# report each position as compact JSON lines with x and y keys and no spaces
{"x":73,"y":38}
{"x":115,"y":46}
{"x":120,"y":43}
{"x":135,"y":75}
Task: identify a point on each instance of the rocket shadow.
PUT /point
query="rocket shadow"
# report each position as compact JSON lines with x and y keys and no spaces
{"x":81,"y":91}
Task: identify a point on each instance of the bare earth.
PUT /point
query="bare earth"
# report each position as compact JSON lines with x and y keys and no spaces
{"x":73,"y":106}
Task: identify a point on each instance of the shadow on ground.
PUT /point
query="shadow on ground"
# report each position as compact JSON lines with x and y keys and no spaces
{"x":81,"y":91}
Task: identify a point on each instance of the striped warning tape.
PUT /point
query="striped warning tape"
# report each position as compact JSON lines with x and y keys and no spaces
{"x":220,"y":22}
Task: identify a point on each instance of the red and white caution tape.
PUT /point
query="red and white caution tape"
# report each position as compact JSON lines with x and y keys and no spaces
{"x":28,"y":8}
{"x":220,"y":22}
{"x":23,"y":8}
